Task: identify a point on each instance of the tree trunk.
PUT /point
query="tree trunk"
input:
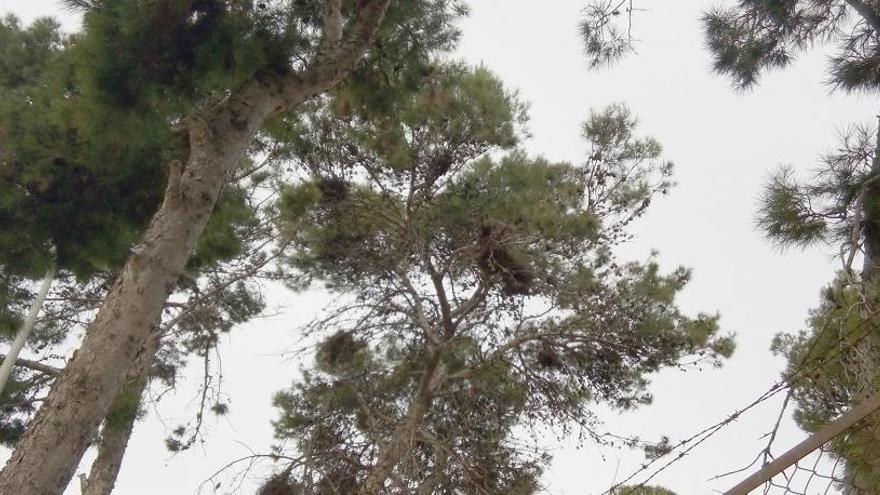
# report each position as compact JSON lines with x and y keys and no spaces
{"x":119,"y":424}
{"x":391,"y":453}
{"x":50,"y":450}
{"x":114,"y":441}
{"x":865,"y":363}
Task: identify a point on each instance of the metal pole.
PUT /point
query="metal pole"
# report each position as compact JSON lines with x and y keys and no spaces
{"x":812,"y":443}
{"x":26,"y":328}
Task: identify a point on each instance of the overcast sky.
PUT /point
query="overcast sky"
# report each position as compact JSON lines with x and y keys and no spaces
{"x":724,"y":145}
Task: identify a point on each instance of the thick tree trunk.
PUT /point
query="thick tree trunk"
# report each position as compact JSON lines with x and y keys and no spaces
{"x":47,"y":455}
{"x":120,"y":423}
{"x":49,"y":452}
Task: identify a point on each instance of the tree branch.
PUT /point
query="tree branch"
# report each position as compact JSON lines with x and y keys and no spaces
{"x":867,"y":14}
{"x":421,"y":320}
{"x":393,"y":450}
{"x":35,"y":366}
{"x":445,"y":309}
{"x":334,"y":62}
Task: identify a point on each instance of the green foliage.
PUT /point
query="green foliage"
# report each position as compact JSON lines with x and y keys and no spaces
{"x":823,"y":357}
{"x":228,"y":227}
{"x":840,"y":205}
{"x":14,"y":298}
{"x":17,"y":400}
{"x":126,"y":408}
{"x":786,"y":215}
{"x":168,"y":54}
{"x":485,"y":293}
{"x":61,"y":187}
{"x":411,"y":36}
{"x":750,"y":37}
{"x":604,"y":39}
{"x":464,"y":114}
{"x":754,"y":36}
{"x":834,"y":206}
{"x":26,"y":53}
{"x":80,"y":176}
{"x":88,"y":123}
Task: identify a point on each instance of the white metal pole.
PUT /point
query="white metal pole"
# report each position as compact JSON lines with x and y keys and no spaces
{"x":26,"y":328}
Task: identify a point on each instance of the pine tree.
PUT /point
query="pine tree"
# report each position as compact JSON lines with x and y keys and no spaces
{"x":85,"y":227}
{"x":840,"y":205}
{"x":755,"y":36}
{"x":829,"y":349}
{"x":482,"y":294}
{"x":178,"y":89}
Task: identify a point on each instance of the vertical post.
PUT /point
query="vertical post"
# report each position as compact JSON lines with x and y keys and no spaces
{"x":26,"y":328}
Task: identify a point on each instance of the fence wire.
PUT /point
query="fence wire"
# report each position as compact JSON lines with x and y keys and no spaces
{"x":820,"y":473}
{"x":824,"y":471}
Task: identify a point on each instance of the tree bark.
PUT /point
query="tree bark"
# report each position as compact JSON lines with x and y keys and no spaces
{"x":47,"y":455}
{"x":114,"y":441}
{"x":50,"y":450}
{"x":118,"y":428}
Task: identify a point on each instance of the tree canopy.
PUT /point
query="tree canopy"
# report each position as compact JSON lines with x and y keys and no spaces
{"x":481,"y":299}
{"x":482,"y":293}
{"x":105,"y":147}
{"x":840,"y":205}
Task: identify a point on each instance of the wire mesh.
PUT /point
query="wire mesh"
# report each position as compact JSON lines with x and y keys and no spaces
{"x":824,"y":471}
{"x":820,"y":473}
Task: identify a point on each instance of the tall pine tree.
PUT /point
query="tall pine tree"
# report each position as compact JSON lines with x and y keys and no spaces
{"x":840,"y":206}
{"x":482,"y":297}
{"x":64,"y":205}
{"x":194,"y":82}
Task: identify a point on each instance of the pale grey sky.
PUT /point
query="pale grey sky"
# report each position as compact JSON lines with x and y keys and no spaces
{"x":724,"y":145}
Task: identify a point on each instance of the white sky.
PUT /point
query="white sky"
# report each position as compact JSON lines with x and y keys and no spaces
{"x":724,"y":145}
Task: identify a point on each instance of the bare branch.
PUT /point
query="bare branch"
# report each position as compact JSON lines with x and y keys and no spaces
{"x":35,"y":366}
